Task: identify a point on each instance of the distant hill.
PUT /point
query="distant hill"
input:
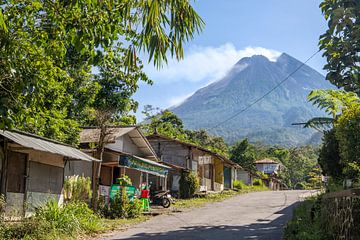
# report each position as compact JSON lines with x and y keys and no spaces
{"x":269,"y":121}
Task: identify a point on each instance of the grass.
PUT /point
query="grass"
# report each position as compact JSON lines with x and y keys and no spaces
{"x":306,"y":222}
{"x":215,"y":197}
{"x":77,"y":221}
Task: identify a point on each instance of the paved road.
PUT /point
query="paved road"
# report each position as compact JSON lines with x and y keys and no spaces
{"x":260,"y":215}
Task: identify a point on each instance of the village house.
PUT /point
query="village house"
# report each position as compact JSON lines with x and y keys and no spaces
{"x":215,"y":172}
{"x":243,"y":175}
{"x":271,"y":169}
{"x":126,"y":152}
{"x":32,"y":170}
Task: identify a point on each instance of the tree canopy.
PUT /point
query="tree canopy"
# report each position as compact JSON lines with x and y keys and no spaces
{"x":166,"y":123}
{"x":341,"y":43}
{"x":54,"y":57}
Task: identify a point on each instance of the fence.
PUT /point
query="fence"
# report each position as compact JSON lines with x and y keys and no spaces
{"x":340,"y":214}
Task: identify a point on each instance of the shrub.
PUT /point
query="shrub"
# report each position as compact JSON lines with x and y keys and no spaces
{"x":134,"y":209}
{"x":238,"y":184}
{"x":258,"y":182}
{"x":77,"y":188}
{"x":300,"y":186}
{"x":189,"y":183}
{"x":53,"y":221}
{"x":74,"y":217}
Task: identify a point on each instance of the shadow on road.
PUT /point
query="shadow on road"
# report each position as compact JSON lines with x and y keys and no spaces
{"x":262,"y":229}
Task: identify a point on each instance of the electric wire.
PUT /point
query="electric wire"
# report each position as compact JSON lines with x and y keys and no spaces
{"x":266,"y":94}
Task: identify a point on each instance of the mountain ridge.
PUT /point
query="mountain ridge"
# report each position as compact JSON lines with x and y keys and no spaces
{"x":248,"y":80}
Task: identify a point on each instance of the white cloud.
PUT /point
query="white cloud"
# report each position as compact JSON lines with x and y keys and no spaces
{"x":206,"y":64}
{"x":177,"y":100}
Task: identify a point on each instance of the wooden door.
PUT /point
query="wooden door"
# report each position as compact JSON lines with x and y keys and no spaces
{"x":16,"y":174}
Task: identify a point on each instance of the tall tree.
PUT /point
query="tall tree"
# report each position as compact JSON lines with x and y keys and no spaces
{"x":243,"y":154}
{"x":48,"y":50}
{"x":341,"y":43}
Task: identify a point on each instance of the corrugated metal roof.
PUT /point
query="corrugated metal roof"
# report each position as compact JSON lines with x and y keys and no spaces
{"x":92,"y":135}
{"x":46,"y":145}
{"x":265,"y":160}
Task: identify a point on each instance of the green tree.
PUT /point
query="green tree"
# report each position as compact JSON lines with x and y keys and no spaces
{"x":347,"y":133}
{"x":341,"y":43}
{"x":243,"y":154}
{"x":48,"y":50}
{"x":329,"y":157}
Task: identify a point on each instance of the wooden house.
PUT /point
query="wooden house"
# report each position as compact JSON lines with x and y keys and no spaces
{"x":214,"y":171}
{"x":32,"y":170}
{"x":127,"y":152}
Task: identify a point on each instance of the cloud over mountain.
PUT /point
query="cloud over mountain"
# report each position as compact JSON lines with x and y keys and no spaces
{"x":206,"y":64}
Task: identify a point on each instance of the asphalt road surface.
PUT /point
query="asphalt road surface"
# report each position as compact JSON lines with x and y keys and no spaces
{"x":259,"y":215}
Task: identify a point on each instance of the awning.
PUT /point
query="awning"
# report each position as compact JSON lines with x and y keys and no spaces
{"x":143,"y":165}
{"x":46,"y":145}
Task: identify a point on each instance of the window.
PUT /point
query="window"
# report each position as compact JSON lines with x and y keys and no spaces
{"x":207,"y":171}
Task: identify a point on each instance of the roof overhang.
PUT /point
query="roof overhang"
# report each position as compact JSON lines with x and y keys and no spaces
{"x":35,"y":142}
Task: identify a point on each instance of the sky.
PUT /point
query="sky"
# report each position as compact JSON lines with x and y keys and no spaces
{"x":235,"y":29}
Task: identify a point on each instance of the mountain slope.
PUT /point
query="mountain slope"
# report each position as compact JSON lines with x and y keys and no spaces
{"x":269,"y":121}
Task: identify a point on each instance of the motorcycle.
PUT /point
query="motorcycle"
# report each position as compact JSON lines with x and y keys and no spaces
{"x":162,"y":198}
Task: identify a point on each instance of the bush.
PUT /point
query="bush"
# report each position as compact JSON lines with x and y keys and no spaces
{"x":134,"y":209}
{"x":300,"y":186}
{"x":53,"y":221}
{"x":189,"y":183}
{"x":74,"y":217}
{"x":121,"y":208}
{"x":306,"y":223}
{"x":77,"y":188}
{"x":238,"y":184}
{"x":258,"y":182}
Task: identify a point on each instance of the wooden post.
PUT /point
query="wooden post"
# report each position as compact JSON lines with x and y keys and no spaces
{"x":3,"y":187}
{"x":27,"y":173}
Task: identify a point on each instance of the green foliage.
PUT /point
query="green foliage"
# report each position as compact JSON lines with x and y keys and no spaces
{"x":124,"y":181}
{"x":347,"y":133}
{"x":329,"y":158}
{"x":341,"y":43}
{"x":77,"y":188}
{"x":49,"y":49}
{"x":258,"y":182}
{"x":306,"y":222}
{"x":166,"y":123}
{"x":134,"y":209}
{"x":189,"y":184}
{"x":244,"y":154}
{"x":75,"y":217}
{"x":238,"y":184}
{"x":53,"y":221}
{"x":121,"y":207}
{"x":300,"y":186}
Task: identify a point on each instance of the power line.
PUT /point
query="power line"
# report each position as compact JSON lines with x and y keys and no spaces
{"x":266,"y":94}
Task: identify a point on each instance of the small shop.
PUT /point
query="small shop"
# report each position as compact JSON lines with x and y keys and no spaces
{"x":127,"y":153}
{"x":141,"y":171}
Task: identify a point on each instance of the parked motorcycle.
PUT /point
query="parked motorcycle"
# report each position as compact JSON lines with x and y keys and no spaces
{"x":162,"y":198}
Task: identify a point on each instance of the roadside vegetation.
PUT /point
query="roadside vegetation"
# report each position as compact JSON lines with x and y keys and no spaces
{"x":335,"y":216}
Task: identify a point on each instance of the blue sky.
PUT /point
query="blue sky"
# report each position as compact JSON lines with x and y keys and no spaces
{"x":235,"y":29}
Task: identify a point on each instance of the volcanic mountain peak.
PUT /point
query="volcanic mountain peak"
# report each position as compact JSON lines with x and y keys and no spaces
{"x":269,"y":120}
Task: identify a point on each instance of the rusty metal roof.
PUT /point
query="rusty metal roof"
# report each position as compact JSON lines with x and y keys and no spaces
{"x":46,"y":145}
{"x":265,"y":161}
{"x":91,"y":135}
